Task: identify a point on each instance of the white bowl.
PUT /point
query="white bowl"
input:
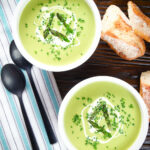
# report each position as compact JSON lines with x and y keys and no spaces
{"x":20,"y":7}
{"x":144,"y":113}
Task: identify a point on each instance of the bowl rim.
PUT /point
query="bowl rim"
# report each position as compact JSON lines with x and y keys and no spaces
{"x":144,"y":113}
{"x":83,"y":59}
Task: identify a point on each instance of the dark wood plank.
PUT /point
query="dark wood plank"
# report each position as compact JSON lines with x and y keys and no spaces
{"x":105,"y":62}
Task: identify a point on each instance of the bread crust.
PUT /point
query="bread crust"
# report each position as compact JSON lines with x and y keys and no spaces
{"x":140,"y":14}
{"x":145,"y":93}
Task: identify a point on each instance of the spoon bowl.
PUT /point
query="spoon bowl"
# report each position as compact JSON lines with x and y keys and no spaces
{"x":13,"y":79}
{"x":17,"y":58}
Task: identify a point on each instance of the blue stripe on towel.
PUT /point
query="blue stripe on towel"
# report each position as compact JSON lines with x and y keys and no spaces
{"x":17,"y":1}
{"x":51,"y":91}
{"x":3,"y":140}
{"x":4,"y":21}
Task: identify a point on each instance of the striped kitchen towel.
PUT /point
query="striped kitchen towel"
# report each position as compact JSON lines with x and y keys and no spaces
{"x":13,"y":134}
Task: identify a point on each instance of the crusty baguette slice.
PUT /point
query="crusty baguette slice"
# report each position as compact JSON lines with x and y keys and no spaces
{"x":118,"y":33}
{"x":139,"y":22}
{"x":145,"y":89}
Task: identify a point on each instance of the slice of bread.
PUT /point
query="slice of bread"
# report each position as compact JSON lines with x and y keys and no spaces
{"x":145,"y":89}
{"x":118,"y":33}
{"x":139,"y":22}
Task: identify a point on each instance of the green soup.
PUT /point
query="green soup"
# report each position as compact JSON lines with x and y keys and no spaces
{"x":57,"y":32}
{"x":102,"y":115}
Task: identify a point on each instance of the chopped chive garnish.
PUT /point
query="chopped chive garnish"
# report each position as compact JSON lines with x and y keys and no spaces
{"x":81,"y":20}
{"x":76,"y":119}
{"x":26,"y":25}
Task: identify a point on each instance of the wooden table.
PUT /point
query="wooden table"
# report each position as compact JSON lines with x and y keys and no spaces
{"x":105,"y":62}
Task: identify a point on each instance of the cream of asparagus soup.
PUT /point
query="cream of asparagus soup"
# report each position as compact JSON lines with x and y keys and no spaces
{"x":57,"y":32}
{"x":102,"y":116}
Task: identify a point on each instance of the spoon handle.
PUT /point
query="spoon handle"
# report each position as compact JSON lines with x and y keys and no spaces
{"x":48,"y":127}
{"x":28,"y":125}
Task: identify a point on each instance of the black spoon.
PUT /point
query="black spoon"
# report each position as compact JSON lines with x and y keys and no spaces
{"x":21,"y":62}
{"x":14,"y":80}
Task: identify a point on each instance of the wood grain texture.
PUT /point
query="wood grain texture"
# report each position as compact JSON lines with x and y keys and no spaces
{"x":105,"y":62}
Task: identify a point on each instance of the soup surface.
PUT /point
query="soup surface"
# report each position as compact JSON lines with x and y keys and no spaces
{"x":57,"y":32}
{"x":102,"y":115}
